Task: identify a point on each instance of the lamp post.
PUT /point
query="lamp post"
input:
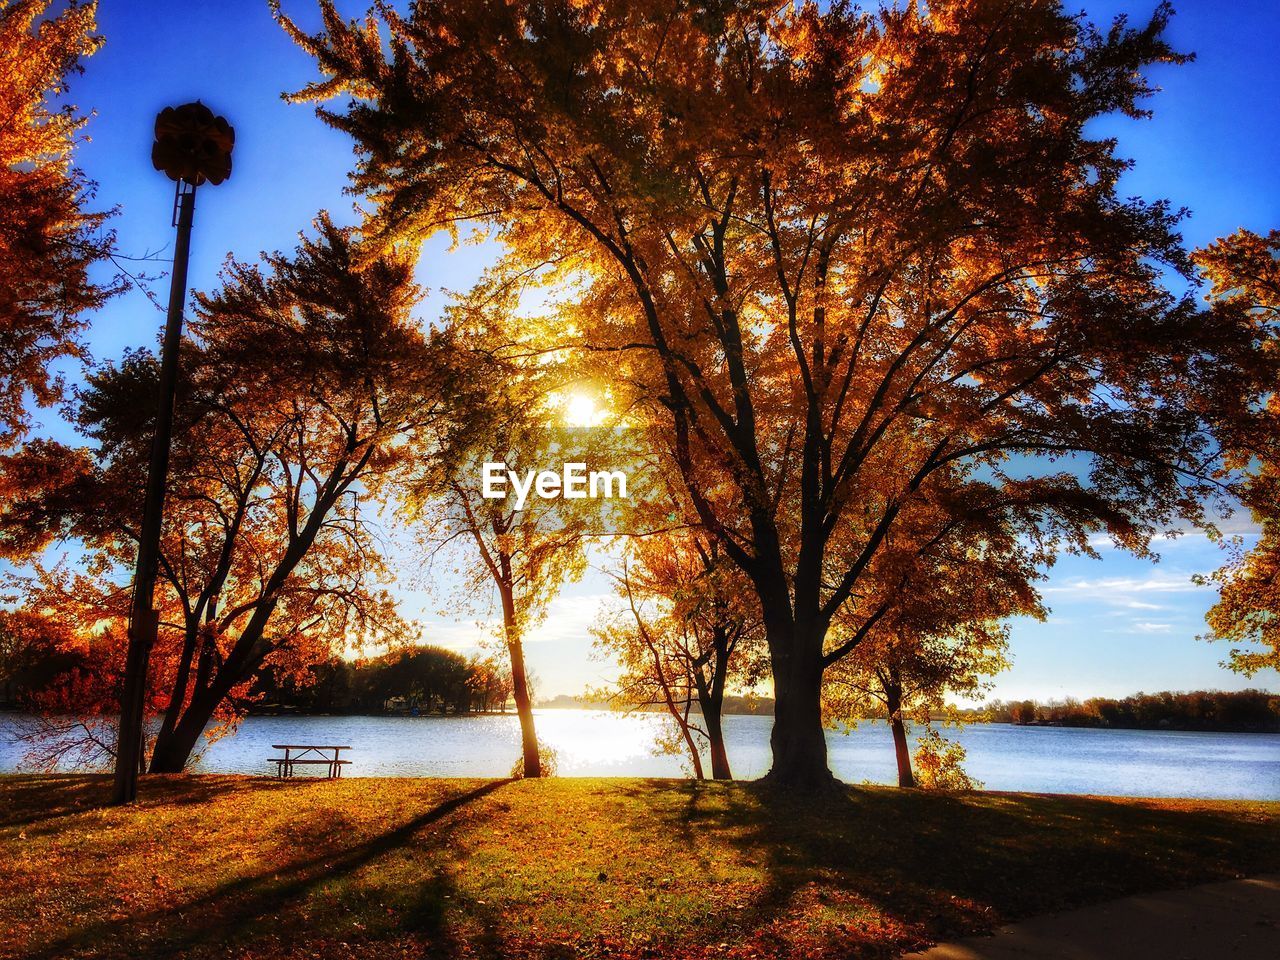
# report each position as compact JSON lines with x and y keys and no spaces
{"x":192,"y":147}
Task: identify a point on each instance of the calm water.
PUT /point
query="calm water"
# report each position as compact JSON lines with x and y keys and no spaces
{"x":592,"y":743}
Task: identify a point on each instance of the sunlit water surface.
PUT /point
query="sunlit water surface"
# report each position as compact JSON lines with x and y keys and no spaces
{"x":596,"y":743}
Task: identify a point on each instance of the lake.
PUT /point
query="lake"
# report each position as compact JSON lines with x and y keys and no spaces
{"x":597,"y":743}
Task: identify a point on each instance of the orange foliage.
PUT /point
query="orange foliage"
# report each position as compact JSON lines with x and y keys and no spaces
{"x":1244,"y":270}
{"x":303,"y":385}
{"x":48,"y":241}
{"x":848,"y":265}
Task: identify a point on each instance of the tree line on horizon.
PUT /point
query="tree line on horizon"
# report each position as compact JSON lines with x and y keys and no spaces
{"x":1218,"y":710}
{"x":426,"y":679}
{"x":419,"y":680}
{"x":1244,"y":710}
{"x":856,"y":288}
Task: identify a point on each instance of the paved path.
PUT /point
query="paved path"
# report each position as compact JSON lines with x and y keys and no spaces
{"x":1236,"y":920}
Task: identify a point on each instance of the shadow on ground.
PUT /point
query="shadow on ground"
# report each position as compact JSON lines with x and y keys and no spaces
{"x":880,"y":870}
{"x":256,"y":907}
{"x":241,"y":867}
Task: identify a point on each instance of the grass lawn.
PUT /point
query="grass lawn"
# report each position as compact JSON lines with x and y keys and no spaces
{"x":218,"y":866}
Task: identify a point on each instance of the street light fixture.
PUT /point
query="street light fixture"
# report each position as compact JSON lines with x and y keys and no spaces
{"x":192,"y":147}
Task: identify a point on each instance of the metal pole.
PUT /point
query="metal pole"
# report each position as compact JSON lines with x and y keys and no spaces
{"x":143,"y":618}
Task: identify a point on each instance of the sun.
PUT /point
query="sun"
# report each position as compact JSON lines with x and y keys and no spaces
{"x":580,"y":410}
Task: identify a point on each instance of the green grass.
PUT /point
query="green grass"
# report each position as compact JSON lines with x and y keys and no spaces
{"x":215,"y":866}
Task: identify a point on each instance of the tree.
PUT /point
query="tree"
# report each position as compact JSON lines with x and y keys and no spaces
{"x":844,"y":259}
{"x":327,"y":687}
{"x":48,"y":240}
{"x":686,"y":631}
{"x":490,"y":684}
{"x":524,"y":551}
{"x":905,"y":677}
{"x":33,"y":652}
{"x":962,"y":569}
{"x":426,"y":678}
{"x":65,"y":686}
{"x":1244,"y":270}
{"x":306,"y":384}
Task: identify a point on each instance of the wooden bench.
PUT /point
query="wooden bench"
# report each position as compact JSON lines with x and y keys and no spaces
{"x":309,"y":754}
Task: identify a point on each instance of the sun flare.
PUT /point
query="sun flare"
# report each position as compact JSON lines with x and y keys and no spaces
{"x":581,"y":410}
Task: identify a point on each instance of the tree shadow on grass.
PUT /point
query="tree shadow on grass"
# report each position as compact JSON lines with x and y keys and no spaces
{"x":252,"y":906}
{"x":863,"y":872}
{"x":34,"y":800}
{"x":878,"y":870}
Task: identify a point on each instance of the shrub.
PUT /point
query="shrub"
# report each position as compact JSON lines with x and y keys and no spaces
{"x":547,"y":754}
{"x":939,"y":764}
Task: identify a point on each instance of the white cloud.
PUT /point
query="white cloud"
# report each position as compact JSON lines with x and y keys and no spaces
{"x":1160,"y":594}
{"x":1238,"y":524}
{"x":461,"y":635}
{"x":569,"y":618}
{"x":1118,"y":590}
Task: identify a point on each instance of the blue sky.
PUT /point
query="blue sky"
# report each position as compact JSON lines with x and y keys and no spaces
{"x":1118,"y":624}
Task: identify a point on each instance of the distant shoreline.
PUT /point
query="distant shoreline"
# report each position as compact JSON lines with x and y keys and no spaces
{"x":964,"y":721}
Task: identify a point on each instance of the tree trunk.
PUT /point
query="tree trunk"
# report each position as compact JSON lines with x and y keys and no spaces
{"x":905,"y":777}
{"x":520,"y":684}
{"x":182,"y":678}
{"x":173,"y":752}
{"x":174,"y":746}
{"x":798,"y":740}
{"x":715,"y":736}
{"x":711,"y":702}
{"x":692,"y":747}
{"x":891,"y":684}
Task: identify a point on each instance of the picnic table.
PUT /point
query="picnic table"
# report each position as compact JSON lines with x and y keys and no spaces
{"x":309,"y":754}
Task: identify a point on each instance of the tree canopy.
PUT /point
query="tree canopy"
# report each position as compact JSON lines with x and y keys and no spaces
{"x":851,"y":263}
{"x":50,"y":238}
{"x":1244,"y":270}
{"x":305,"y":385}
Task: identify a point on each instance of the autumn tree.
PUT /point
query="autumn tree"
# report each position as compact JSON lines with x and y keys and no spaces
{"x":949,"y":578}
{"x":49,"y":241}
{"x":524,"y":547}
{"x":66,"y":684}
{"x":1244,"y":271}
{"x":843,"y":259}
{"x":490,"y":683}
{"x":523,"y":554}
{"x":33,"y":652}
{"x":306,"y":382}
{"x":685,"y":631}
